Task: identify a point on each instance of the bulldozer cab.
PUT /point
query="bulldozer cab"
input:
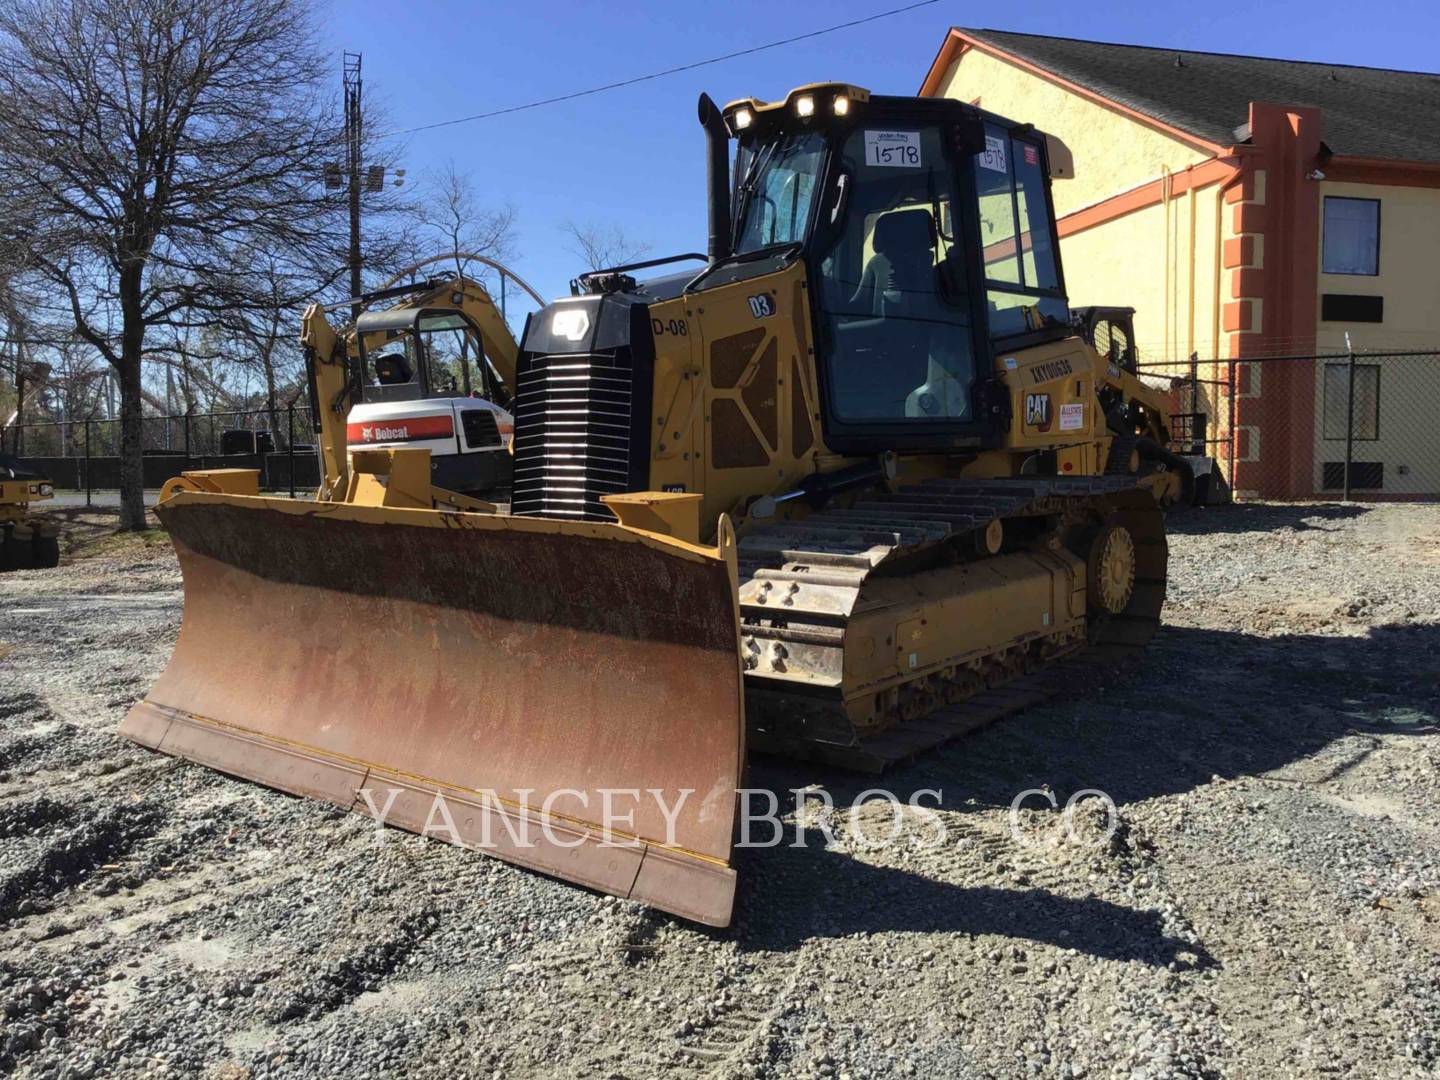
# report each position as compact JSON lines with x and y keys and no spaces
{"x":410,"y":354}
{"x":929,"y":234}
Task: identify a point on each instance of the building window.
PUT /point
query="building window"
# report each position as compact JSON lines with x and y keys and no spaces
{"x":1352,"y":236}
{"x":1367,"y":401}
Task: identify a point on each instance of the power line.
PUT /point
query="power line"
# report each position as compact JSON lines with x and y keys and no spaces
{"x":657,"y":74}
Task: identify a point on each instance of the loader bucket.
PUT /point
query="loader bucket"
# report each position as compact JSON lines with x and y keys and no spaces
{"x":566,"y":696}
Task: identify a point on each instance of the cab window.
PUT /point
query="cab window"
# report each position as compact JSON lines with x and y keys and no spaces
{"x":775,"y":190}
{"x":1022,"y":278}
{"x":893,"y":292}
{"x":452,"y":348}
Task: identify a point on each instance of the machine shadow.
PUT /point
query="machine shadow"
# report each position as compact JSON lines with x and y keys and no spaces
{"x":1258,"y":517}
{"x":825,"y":894}
{"x":1205,"y":703}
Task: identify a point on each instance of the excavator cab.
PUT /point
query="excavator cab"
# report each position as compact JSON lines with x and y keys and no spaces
{"x":414,"y":353}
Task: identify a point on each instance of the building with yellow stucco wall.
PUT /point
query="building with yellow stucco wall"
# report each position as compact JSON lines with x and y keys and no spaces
{"x":1247,"y":208}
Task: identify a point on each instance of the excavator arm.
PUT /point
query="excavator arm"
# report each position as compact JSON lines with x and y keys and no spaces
{"x":472,"y":301}
{"x":325,"y":363}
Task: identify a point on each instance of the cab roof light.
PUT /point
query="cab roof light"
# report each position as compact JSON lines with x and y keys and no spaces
{"x":743,"y":119}
{"x":841,"y":105}
{"x":805,"y":105}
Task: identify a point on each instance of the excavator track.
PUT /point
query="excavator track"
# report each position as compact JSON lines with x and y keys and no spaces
{"x":802,"y":583}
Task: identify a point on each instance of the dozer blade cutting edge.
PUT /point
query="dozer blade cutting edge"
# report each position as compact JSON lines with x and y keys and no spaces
{"x":571,"y":690}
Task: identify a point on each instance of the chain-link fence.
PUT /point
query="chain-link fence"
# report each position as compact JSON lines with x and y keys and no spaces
{"x":1351,"y":424}
{"x":84,"y":455}
{"x":1363,"y":425}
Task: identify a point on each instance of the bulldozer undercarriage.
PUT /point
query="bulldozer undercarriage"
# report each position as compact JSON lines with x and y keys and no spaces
{"x":838,"y":670}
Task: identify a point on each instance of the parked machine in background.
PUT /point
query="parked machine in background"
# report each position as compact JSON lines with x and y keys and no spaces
{"x":28,"y":539}
{"x":245,"y":441}
{"x":1111,"y":332}
{"x":399,"y":381}
{"x":813,"y":497}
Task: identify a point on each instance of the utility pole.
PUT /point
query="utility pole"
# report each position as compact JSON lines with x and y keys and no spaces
{"x":351,"y":83}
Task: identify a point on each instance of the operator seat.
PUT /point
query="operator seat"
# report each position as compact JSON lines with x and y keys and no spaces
{"x":899,"y":279}
{"x":393,"y":369}
{"x":898,"y":286}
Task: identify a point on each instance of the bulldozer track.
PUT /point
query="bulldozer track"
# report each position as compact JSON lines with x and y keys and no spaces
{"x":801,"y":580}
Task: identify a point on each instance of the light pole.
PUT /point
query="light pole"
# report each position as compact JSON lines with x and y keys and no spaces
{"x":350,"y":179}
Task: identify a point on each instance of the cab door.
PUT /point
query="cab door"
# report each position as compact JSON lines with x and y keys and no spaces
{"x":896,"y":316}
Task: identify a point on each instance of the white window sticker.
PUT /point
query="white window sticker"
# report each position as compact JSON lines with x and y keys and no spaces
{"x":1072,"y":417}
{"x":1009,"y":362}
{"x":897,"y":148}
{"x":994,"y":155}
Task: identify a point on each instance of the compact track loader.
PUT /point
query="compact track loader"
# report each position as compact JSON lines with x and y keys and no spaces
{"x":823,"y":494}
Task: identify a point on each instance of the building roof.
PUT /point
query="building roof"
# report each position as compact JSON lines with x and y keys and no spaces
{"x":1367,"y":112}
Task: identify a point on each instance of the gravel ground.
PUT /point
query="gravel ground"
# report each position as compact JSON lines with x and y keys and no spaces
{"x":1265,"y":901}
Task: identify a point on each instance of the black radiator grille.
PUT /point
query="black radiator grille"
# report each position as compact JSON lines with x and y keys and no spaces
{"x":573,"y":423}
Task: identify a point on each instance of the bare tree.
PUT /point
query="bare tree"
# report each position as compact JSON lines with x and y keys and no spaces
{"x":602,"y":246}
{"x":148,"y":148}
{"x":266,"y":335}
{"x":453,"y":217}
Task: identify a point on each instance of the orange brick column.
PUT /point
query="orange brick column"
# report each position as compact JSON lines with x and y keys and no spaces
{"x":1273,"y":260}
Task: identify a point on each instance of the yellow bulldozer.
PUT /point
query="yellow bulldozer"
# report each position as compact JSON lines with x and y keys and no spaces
{"x":814,"y":497}
{"x":28,"y":540}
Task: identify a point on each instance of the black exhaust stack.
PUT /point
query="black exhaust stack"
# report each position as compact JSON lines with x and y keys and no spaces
{"x":717,"y":138}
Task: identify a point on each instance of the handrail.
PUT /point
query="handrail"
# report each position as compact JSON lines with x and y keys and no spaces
{"x":646,"y":265}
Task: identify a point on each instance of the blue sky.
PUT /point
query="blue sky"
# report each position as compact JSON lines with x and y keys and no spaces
{"x":634,"y":157}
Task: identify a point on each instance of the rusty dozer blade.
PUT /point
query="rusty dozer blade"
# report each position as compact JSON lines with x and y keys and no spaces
{"x":571,"y":692}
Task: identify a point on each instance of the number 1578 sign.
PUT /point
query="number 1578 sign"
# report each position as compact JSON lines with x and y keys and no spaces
{"x":896,"y":148}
